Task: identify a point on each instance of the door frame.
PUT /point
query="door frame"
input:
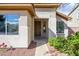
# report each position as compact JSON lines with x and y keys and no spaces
{"x":42,"y":19}
{"x":35,"y":28}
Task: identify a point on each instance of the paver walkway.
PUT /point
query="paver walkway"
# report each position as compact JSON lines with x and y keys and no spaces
{"x":20,"y":51}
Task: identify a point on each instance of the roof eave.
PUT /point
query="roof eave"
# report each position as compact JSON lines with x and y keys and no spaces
{"x":63,"y":16}
{"x":27,"y":7}
{"x":46,"y":5}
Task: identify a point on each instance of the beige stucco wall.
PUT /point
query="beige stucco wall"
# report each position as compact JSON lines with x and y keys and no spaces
{"x":72,"y":25}
{"x":23,"y":39}
{"x":30,"y":29}
{"x":49,"y":13}
{"x":74,"y":22}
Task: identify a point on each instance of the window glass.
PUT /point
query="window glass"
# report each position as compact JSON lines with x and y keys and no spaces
{"x":60,"y":27}
{"x":67,"y":8}
{"x":2,"y":24}
{"x":12,"y":23}
{"x":9,"y":24}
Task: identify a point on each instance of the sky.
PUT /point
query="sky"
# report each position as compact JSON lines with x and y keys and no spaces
{"x":12,"y":18}
{"x":66,"y":8}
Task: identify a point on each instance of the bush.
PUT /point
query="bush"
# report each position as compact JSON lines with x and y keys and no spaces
{"x":73,"y":45}
{"x":57,"y":42}
{"x":77,"y":35}
{"x":51,"y":41}
{"x":71,"y":37}
{"x":69,"y":46}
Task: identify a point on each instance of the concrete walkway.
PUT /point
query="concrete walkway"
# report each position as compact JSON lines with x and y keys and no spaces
{"x":41,"y":48}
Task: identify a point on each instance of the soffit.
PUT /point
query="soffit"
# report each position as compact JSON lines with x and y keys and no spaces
{"x":46,"y":5}
{"x":28,"y":7}
{"x":63,"y":16}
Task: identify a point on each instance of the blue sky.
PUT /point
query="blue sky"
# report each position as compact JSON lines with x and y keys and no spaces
{"x":66,"y":8}
{"x":12,"y":17}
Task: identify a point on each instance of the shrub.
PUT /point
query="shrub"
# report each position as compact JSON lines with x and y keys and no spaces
{"x":72,"y":47}
{"x":51,"y":40}
{"x":57,"y":42}
{"x":69,"y":45}
{"x":77,"y":35}
{"x":71,"y":37}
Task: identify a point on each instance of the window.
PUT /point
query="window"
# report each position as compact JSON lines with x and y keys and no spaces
{"x":60,"y":27}
{"x":9,"y":24}
{"x":67,"y":8}
{"x":2,"y":24}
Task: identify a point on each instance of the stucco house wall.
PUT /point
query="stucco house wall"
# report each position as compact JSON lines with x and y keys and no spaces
{"x":74,"y":22}
{"x":25,"y":36}
{"x":72,"y":25}
{"x":49,"y":13}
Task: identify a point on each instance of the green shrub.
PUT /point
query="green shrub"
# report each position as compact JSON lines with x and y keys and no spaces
{"x":57,"y":42}
{"x":51,"y":41}
{"x":71,"y":37}
{"x":73,"y":45}
{"x":69,"y":46}
{"x":77,"y":35}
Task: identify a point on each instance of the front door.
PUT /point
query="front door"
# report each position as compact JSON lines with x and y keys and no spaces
{"x":44,"y":29}
{"x":37,"y":28}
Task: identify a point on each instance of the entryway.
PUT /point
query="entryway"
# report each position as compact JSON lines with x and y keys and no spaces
{"x":37,"y":25}
{"x":41,"y":36}
{"x":41,"y":28}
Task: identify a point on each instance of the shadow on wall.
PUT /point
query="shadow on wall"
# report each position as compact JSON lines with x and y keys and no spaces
{"x":70,"y":31}
{"x":51,"y":33}
{"x":42,"y":40}
{"x":32,"y":45}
